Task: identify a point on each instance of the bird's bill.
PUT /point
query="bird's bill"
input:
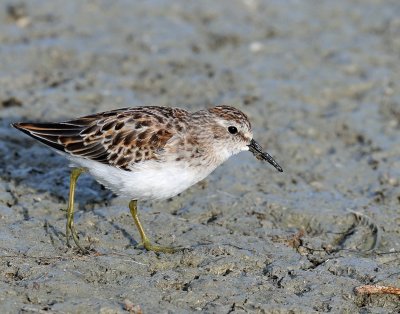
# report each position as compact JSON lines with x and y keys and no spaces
{"x":257,"y":151}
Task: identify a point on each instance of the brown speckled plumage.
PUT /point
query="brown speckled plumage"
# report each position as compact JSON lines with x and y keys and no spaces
{"x":118,"y":138}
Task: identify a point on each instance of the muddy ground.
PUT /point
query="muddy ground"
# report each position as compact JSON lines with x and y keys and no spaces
{"x":320,"y":82}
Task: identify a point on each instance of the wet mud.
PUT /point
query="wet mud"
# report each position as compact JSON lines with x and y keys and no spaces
{"x":320,"y":83}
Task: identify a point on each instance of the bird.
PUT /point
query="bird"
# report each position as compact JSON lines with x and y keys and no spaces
{"x":147,"y":152}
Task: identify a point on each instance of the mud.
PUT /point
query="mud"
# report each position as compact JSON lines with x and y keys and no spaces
{"x":319,"y":80}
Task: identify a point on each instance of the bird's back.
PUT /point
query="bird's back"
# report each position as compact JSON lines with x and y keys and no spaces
{"x":119,"y":138}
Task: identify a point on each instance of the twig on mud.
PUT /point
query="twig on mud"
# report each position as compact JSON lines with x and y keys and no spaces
{"x":375,"y":289}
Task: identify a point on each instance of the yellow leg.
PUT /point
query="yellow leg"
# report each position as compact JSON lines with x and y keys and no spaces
{"x":75,"y":173}
{"x":145,"y":240}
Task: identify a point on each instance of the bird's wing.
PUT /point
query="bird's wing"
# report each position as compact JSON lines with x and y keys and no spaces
{"x":119,"y":138}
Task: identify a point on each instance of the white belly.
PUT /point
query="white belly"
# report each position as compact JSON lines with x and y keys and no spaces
{"x":151,"y":181}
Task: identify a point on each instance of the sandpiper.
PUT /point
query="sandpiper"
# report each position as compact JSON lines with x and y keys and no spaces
{"x":147,"y":152}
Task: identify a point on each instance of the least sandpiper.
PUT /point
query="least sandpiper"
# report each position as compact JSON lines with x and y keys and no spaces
{"x":147,"y":153}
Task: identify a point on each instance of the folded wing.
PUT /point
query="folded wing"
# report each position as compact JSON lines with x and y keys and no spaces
{"x":119,"y":138}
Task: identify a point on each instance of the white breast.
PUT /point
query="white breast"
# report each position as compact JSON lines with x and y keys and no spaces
{"x":152,"y":180}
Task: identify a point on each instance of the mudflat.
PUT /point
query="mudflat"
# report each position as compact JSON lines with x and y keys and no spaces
{"x":319,"y":82}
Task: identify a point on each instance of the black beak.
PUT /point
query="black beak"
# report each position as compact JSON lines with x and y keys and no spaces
{"x":257,"y":151}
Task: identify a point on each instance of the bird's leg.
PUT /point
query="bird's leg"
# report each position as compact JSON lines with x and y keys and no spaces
{"x":145,"y":240}
{"x":75,"y":173}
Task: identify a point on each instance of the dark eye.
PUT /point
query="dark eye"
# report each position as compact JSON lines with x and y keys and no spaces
{"x":232,"y":130}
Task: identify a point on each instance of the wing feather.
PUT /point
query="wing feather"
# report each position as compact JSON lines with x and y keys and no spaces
{"x":120,"y":138}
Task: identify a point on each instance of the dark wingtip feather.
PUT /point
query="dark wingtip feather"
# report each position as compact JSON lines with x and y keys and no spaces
{"x":22,"y":127}
{"x":38,"y":132}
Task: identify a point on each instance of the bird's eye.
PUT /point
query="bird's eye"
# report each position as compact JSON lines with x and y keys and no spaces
{"x":232,"y":129}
